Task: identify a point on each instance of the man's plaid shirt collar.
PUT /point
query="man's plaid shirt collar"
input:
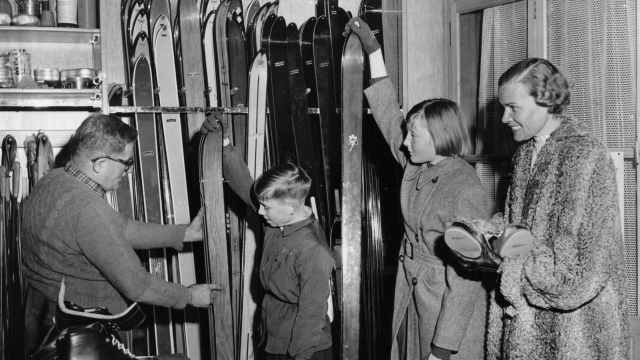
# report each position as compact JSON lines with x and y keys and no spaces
{"x":73,"y":171}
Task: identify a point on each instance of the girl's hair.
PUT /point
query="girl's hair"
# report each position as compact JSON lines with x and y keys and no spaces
{"x":545,"y":83}
{"x":104,"y":134}
{"x":282,"y":182}
{"x":444,"y":121}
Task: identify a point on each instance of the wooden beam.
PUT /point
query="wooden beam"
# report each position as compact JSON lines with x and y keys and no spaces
{"x":537,"y":28}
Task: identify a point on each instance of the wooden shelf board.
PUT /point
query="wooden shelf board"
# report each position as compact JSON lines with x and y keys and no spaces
{"x":46,"y":34}
{"x":41,"y":98}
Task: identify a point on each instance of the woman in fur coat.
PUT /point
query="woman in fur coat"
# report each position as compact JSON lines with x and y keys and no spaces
{"x":567,"y":298}
{"x":442,"y":310}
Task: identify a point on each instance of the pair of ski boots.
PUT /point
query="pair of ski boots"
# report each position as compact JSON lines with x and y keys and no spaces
{"x":467,"y":237}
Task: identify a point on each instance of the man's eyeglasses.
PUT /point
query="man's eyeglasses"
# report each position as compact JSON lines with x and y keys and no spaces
{"x":127,"y":163}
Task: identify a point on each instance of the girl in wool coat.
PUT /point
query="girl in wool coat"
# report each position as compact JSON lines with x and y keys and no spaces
{"x":567,"y":298}
{"x":442,"y":310}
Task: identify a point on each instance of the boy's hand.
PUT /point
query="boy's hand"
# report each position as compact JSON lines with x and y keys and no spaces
{"x":362,"y":30}
{"x":194,"y":229}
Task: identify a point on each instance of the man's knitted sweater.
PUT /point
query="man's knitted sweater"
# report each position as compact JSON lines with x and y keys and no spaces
{"x":69,"y":231}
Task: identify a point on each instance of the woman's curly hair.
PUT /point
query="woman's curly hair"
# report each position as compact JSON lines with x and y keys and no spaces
{"x":545,"y":82}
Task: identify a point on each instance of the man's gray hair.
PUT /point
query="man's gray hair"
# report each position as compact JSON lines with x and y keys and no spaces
{"x":105,"y":134}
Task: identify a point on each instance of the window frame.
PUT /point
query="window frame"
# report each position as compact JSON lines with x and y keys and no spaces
{"x":536,"y":35}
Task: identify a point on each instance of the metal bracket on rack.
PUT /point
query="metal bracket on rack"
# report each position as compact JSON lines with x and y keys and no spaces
{"x":96,"y":39}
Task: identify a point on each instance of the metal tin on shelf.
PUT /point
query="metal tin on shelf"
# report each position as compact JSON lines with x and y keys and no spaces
{"x":47,"y":78}
{"x":77,"y":82}
{"x":75,"y":73}
{"x":46,"y":74}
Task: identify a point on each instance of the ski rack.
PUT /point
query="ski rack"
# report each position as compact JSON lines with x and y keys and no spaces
{"x":106,"y":109}
{"x":161,"y":109}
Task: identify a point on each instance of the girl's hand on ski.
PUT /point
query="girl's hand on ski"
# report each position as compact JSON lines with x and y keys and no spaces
{"x":194,"y":230}
{"x":362,"y":30}
{"x":202,"y":294}
{"x":211,"y":123}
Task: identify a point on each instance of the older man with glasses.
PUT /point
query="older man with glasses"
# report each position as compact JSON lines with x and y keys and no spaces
{"x":70,"y":231}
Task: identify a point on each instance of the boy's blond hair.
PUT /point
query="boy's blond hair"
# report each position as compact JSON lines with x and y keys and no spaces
{"x":282,"y":182}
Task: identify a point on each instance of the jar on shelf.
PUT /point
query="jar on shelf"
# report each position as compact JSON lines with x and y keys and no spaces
{"x":67,"y":12}
{"x":29,"y":7}
{"x":87,"y":14}
{"x":20,"y":64}
{"x":6,"y":74}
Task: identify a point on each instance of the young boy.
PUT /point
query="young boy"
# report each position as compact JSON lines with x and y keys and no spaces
{"x":296,"y":261}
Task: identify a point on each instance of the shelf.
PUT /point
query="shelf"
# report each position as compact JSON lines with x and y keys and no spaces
{"x":47,"y":34}
{"x":44,"y":98}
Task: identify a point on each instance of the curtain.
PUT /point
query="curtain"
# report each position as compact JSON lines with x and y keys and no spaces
{"x":593,"y":42}
{"x":504,"y":43}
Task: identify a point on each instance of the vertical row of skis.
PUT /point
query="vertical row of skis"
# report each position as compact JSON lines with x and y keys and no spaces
{"x":197,"y":53}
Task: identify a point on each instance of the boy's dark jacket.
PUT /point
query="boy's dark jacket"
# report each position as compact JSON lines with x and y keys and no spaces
{"x":294,"y":270}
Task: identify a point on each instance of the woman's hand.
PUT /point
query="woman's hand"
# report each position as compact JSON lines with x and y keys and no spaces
{"x":362,"y":30}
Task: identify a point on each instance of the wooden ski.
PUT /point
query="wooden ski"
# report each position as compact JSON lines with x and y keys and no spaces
{"x":239,"y":92}
{"x":252,"y":10}
{"x":272,"y":143}
{"x":256,"y":31}
{"x":384,"y":17}
{"x":352,"y":86}
{"x":280,"y":107}
{"x":143,"y":95}
{"x":301,"y":123}
{"x":222,"y":59}
{"x":188,"y":329}
{"x":308,"y":66}
{"x":192,"y":67}
{"x":211,"y":185}
{"x":237,"y":52}
{"x":255,"y":156}
{"x":329,"y":120}
{"x":208,"y":47}
{"x":338,"y":18}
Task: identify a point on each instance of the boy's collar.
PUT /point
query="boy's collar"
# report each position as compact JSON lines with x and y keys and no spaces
{"x":291,"y":227}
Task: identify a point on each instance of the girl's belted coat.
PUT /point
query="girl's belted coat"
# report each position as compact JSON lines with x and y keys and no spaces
{"x":443,"y":306}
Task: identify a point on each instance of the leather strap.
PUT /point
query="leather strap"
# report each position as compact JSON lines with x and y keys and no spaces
{"x":45,"y":160}
{"x":9,"y":152}
{"x":31,"y":150}
{"x":66,"y":316}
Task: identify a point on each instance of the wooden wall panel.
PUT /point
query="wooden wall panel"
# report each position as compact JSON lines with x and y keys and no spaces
{"x":470,"y":40}
{"x":423,"y":50}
